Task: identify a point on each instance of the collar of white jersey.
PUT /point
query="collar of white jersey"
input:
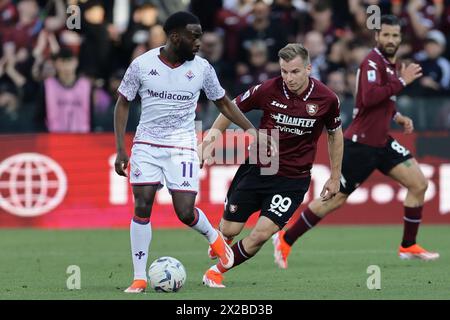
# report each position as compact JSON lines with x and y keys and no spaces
{"x":165,"y":62}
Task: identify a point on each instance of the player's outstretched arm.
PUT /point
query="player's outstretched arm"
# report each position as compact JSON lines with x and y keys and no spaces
{"x":231,"y":111}
{"x":120,"y":123}
{"x":335,"y":150}
{"x":225,"y":106}
{"x":218,"y":127}
{"x":205,"y":148}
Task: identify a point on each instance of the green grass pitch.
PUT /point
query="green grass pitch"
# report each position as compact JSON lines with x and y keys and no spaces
{"x":330,"y":262}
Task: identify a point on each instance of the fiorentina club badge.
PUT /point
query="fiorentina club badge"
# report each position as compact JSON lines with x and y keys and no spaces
{"x":312,"y":108}
{"x":137,"y":172}
{"x":190,"y":75}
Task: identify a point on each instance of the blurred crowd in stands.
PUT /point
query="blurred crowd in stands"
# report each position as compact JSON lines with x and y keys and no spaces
{"x":58,"y":79}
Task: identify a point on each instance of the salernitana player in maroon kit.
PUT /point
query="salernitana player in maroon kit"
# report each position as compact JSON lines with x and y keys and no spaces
{"x":368,"y":146}
{"x":298,"y":108}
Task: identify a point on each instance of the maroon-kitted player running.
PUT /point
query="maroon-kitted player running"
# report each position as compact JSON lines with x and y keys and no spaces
{"x":298,"y":107}
{"x":368,"y":146}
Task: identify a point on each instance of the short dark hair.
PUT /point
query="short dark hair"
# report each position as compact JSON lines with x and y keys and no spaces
{"x":179,"y":20}
{"x":390,"y":20}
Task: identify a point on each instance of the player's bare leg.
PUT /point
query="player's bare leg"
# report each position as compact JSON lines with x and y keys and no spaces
{"x":243,"y":250}
{"x":317,"y":209}
{"x":409,"y":175}
{"x":323,"y":208}
{"x":193,"y":217}
{"x":141,"y":235}
{"x":229,"y":230}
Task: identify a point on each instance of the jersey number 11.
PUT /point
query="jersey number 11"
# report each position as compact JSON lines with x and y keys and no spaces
{"x":185,"y":165}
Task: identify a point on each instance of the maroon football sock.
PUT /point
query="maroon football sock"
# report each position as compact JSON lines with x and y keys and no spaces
{"x":412,"y":221}
{"x":240,"y":256}
{"x":306,"y":221}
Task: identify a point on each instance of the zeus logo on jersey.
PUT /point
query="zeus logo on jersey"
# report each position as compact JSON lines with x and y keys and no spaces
{"x":279,"y":105}
{"x":299,"y":122}
{"x":180,"y":96}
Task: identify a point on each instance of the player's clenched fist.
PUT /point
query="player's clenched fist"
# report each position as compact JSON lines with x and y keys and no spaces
{"x":121,"y":163}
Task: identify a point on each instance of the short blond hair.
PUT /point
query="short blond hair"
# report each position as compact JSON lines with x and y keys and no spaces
{"x":293,"y":50}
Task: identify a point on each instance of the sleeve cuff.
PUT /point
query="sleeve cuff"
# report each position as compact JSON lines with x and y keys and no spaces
{"x":124,"y":96}
{"x":402,"y":81}
{"x":334,"y":129}
{"x":219,"y":96}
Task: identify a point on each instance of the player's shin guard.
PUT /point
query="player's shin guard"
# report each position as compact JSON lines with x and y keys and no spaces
{"x":141,"y":236}
{"x":202,"y":225}
{"x":306,"y":221}
{"x":240,"y":256}
{"x":412,"y":219}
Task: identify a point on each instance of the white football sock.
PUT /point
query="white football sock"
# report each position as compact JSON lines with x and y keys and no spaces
{"x":204,"y":227}
{"x":141,"y":236}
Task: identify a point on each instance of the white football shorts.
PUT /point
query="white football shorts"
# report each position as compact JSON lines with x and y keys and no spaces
{"x":177,"y":168}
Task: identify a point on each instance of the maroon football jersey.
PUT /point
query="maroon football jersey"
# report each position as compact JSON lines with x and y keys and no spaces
{"x":299,"y":119}
{"x":377,"y":86}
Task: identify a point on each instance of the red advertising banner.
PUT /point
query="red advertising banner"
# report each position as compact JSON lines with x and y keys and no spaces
{"x":68,"y":181}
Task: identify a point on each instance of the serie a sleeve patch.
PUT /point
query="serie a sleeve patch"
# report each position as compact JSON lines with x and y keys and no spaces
{"x":371,"y":75}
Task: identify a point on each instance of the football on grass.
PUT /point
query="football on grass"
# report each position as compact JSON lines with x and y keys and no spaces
{"x":166,"y":274}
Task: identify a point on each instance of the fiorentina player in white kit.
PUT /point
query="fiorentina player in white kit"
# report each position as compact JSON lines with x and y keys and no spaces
{"x":168,"y":80}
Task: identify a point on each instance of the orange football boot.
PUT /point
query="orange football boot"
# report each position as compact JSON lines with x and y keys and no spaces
{"x":211,"y":253}
{"x":213,"y":279}
{"x":416,"y":252}
{"x":138,"y":286}
{"x":281,"y":249}
{"x":223,"y":251}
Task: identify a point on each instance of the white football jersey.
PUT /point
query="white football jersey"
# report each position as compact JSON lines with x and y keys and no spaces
{"x":169,"y":97}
